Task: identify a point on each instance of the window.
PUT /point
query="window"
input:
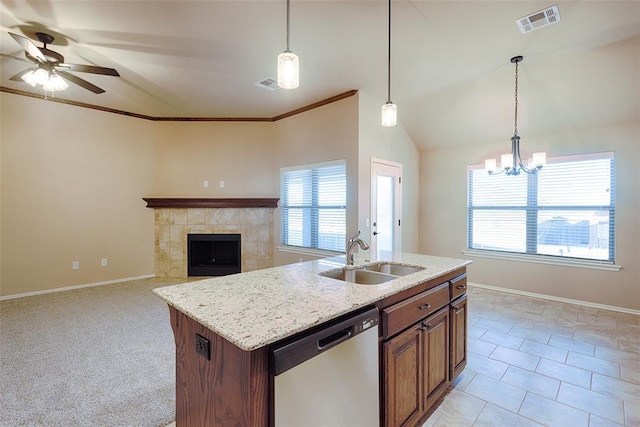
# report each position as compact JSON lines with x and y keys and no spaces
{"x":565,"y":210}
{"x":314,"y":206}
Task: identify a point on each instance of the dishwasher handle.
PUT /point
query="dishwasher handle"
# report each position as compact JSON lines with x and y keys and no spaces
{"x":335,"y":339}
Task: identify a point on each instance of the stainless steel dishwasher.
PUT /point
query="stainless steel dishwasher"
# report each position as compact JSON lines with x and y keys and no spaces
{"x":328,"y":376}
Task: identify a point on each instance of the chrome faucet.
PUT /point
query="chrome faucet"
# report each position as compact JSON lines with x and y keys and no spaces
{"x":351,"y":244}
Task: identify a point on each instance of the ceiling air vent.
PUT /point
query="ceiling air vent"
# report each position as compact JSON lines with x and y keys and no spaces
{"x":268,"y":84}
{"x":540,"y":19}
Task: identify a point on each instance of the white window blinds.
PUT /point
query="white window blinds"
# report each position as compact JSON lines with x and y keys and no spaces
{"x":567,"y":209}
{"x":314,"y":205}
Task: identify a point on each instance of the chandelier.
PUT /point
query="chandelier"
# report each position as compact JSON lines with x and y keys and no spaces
{"x":512,"y":164}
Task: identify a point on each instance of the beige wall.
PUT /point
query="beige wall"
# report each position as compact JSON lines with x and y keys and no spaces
{"x":72,"y":183}
{"x":240,"y":154}
{"x":323,"y":134}
{"x":392,"y":144}
{"x":443,"y":190}
{"x":75,"y":179}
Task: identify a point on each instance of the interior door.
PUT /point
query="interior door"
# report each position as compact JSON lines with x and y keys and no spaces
{"x":386,"y":207}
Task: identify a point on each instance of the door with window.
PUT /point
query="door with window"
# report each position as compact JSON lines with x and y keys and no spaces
{"x":386,"y":207}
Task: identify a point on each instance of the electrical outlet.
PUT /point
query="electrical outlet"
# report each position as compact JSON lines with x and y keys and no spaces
{"x":203,"y":346}
{"x":104,"y":262}
{"x":75,"y":265}
{"x":221,"y":184}
{"x":205,"y":184}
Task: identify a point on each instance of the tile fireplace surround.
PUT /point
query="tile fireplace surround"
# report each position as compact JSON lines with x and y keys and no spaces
{"x":175,"y":218}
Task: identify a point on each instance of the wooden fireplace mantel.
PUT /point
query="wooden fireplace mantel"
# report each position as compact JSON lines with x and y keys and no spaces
{"x":211,"y":203}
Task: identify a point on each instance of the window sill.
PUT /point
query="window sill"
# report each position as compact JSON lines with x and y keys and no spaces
{"x":308,"y":251}
{"x":541,"y":259}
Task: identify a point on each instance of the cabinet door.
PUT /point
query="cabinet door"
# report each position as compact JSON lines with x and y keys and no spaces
{"x":402,"y":373}
{"x":458,"y":336}
{"x":436,"y":355}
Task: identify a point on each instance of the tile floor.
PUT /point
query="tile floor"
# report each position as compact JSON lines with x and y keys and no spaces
{"x":533,"y":362}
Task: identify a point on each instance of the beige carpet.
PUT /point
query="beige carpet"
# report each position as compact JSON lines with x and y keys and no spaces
{"x":100,"y":356}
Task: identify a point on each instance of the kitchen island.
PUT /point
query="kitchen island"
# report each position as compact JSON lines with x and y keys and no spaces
{"x":224,"y":325}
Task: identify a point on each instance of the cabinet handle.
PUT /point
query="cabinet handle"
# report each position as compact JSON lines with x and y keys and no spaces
{"x":425,"y":306}
{"x":427,"y":326}
{"x":460,"y":286}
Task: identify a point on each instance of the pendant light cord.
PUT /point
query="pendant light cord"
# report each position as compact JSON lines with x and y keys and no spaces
{"x":288,"y":13}
{"x":389,"y":59}
{"x":515,"y":120}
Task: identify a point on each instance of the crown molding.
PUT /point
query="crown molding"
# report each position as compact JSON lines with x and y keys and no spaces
{"x":312,"y":106}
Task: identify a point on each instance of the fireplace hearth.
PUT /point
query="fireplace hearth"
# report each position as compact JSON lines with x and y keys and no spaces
{"x":213,"y":254}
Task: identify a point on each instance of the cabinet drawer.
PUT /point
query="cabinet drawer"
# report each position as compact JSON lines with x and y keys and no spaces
{"x":458,"y":286}
{"x":405,"y":313}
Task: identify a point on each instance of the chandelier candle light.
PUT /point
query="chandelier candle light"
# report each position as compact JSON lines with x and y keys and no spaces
{"x":511,"y":164}
{"x":389,"y":109}
{"x":288,"y":63}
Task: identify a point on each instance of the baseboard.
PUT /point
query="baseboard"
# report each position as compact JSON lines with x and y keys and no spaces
{"x":558,"y":299}
{"x":70,"y":288}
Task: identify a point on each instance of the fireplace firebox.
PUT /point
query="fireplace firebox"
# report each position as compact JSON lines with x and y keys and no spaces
{"x":213,"y":254}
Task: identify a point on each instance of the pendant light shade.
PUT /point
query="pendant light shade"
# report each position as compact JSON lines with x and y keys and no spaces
{"x":288,"y":63}
{"x":389,"y":109}
{"x":389,"y":114}
{"x":288,"y":70}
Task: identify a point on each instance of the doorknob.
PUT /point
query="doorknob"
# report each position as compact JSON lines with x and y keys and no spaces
{"x":375,"y":233}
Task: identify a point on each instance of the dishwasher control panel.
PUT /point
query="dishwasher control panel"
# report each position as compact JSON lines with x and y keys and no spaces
{"x":301,"y":347}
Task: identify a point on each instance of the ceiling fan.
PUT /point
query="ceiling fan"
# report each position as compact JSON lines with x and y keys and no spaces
{"x":51,"y":70}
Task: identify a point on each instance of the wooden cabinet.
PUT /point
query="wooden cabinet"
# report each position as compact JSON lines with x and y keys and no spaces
{"x":405,"y":313}
{"x":416,"y":369}
{"x":458,"y":336}
{"x":458,"y":286}
{"x":436,"y":356}
{"x":403,"y":360}
{"x":424,"y":347}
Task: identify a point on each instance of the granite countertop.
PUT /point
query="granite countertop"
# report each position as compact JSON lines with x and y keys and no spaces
{"x":260,"y":307}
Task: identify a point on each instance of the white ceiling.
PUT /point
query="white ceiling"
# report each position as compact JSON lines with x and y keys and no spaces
{"x":451,"y":73}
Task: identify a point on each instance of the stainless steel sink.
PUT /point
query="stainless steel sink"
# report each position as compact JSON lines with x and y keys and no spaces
{"x":359,"y":276}
{"x":393,"y":269}
{"x":371,"y":274}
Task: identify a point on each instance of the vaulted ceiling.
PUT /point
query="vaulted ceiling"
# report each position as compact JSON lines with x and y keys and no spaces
{"x":451,"y":73}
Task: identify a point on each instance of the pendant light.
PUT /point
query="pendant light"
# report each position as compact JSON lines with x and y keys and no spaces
{"x":389,"y":109}
{"x":288,"y":63}
{"x":512,"y":164}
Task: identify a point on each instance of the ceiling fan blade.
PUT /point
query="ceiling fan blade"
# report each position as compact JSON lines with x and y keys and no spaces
{"x":18,"y":76}
{"x":17,"y":58}
{"x":91,"y":69}
{"x":31,"y":48}
{"x":80,"y":82}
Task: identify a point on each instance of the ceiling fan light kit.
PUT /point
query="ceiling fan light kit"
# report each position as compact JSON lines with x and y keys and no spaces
{"x":288,"y":62}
